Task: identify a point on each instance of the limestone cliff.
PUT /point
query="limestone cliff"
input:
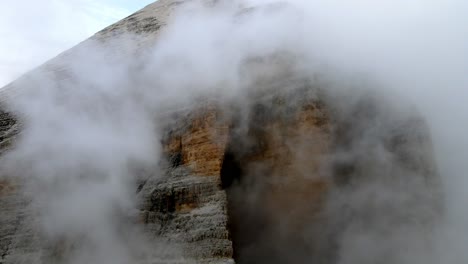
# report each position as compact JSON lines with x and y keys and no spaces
{"x":281,"y":181}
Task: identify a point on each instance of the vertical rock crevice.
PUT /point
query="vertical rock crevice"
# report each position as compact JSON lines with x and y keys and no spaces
{"x":271,"y":174}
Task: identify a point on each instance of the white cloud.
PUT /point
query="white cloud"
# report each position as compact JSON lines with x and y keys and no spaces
{"x":35,"y":31}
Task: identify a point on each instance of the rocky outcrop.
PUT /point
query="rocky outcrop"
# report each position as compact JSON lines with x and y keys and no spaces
{"x":279,"y":178}
{"x":8,"y":130}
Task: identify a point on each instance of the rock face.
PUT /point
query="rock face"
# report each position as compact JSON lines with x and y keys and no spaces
{"x":282,"y":181}
{"x":188,"y":206}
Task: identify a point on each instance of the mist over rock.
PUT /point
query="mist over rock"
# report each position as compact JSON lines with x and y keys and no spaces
{"x":189,"y":133}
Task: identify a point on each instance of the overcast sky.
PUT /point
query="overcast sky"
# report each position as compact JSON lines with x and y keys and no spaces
{"x":33,"y":31}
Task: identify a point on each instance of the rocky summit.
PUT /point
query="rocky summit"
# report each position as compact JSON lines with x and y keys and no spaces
{"x":287,"y":173}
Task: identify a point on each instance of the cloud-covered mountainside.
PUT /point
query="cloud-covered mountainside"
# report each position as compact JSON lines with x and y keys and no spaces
{"x":243,"y":131}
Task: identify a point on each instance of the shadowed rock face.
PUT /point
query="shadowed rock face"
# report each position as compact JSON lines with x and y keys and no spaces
{"x":290,"y":179}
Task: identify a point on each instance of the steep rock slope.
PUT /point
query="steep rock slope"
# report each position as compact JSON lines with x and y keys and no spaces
{"x":284,"y":180}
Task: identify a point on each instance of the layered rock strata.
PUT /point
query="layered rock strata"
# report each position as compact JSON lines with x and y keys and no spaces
{"x":280,"y":178}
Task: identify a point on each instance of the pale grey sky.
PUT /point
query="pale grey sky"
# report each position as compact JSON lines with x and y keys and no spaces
{"x":34,"y":31}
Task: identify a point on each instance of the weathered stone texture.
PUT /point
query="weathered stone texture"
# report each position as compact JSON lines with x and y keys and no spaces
{"x":201,"y":145}
{"x":190,"y":211}
{"x":8,"y":129}
{"x":232,"y":184}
